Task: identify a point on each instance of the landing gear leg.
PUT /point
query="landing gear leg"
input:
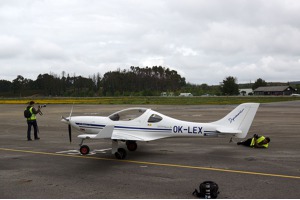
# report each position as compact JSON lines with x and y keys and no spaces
{"x":114,"y":146}
{"x":81,"y":142}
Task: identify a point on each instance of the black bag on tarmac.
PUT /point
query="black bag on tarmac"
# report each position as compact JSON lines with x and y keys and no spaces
{"x":207,"y":190}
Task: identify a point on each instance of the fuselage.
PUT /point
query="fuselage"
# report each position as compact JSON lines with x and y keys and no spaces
{"x":141,"y":124}
{"x":148,"y":123}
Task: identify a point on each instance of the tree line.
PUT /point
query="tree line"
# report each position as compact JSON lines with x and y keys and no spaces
{"x":135,"y":81}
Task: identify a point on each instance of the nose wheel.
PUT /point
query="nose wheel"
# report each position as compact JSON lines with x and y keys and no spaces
{"x":84,"y":149}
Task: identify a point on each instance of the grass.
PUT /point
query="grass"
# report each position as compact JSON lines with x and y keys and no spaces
{"x":152,"y":100}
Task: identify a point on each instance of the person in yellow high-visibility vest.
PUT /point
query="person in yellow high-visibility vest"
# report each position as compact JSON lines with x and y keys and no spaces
{"x":31,"y":121}
{"x":256,"y":142}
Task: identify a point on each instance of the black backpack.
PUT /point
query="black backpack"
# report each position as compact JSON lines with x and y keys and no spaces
{"x":207,"y":190}
{"x":27,"y":113}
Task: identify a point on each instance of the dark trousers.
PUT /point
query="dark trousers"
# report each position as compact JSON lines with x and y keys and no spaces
{"x":246,"y":142}
{"x":35,"y":127}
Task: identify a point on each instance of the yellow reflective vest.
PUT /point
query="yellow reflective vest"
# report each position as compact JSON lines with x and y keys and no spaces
{"x":259,"y":140}
{"x":33,"y":116}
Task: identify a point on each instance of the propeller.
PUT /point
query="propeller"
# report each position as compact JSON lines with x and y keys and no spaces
{"x":69,"y":126}
{"x":68,"y":121}
{"x":70,"y":133}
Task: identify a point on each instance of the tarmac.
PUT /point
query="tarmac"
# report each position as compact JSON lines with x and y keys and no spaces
{"x":52,"y":168}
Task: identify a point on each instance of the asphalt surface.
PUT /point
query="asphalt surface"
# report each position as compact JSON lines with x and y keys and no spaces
{"x":52,"y":168}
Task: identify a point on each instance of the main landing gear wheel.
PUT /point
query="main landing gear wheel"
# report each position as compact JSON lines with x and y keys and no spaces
{"x":84,"y":149}
{"x":121,"y":154}
{"x":131,"y":145}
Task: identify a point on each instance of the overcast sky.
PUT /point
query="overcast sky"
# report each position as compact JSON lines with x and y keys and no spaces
{"x":204,"y":40}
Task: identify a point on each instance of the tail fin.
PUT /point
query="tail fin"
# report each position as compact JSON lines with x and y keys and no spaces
{"x":239,"y":120}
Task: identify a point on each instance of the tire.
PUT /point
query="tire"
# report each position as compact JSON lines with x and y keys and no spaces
{"x":121,"y":154}
{"x":131,"y":145}
{"x":84,"y":150}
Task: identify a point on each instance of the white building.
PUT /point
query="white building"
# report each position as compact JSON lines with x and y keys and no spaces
{"x":246,"y":91}
{"x":185,"y":95}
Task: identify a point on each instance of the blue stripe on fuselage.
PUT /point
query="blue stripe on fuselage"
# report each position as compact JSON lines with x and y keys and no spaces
{"x":99,"y":126}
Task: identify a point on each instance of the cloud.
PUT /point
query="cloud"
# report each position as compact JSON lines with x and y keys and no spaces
{"x":10,"y":47}
{"x":203,"y":40}
{"x":42,"y":49}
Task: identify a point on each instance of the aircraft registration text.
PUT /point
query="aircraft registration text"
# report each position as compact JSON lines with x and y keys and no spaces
{"x":189,"y":129}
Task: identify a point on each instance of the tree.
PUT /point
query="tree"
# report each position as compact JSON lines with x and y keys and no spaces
{"x":229,"y":86}
{"x":145,"y":81}
{"x":17,"y":84}
{"x":5,"y":86}
{"x":48,"y":84}
{"x":134,"y":81}
{"x":259,"y":83}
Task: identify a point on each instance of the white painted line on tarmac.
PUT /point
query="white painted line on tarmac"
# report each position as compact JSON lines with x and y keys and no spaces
{"x":77,"y":152}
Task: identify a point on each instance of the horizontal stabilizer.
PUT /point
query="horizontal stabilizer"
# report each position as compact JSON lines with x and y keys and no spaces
{"x":228,"y":130}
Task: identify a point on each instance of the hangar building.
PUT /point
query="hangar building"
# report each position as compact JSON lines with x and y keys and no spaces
{"x":274,"y":90}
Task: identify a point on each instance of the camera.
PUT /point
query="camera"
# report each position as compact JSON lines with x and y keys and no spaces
{"x":42,"y":106}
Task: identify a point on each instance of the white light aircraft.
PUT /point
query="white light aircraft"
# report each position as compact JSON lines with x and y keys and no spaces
{"x":142,"y":124}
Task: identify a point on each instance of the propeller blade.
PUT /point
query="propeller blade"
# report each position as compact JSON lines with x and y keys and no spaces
{"x":65,"y":120}
{"x":70,"y":133}
{"x":69,"y":126}
{"x":71,"y":111}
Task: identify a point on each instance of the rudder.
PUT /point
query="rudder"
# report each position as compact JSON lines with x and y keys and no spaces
{"x":240,"y":118}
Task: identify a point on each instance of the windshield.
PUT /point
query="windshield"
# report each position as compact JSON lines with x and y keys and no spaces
{"x":127,"y":114}
{"x":154,"y":118}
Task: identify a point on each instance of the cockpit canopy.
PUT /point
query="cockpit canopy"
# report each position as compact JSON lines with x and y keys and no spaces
{"x":133,"y":113}
{"x":127,"y":114}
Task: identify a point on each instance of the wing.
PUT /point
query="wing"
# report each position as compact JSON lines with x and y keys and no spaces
{"x":104,"y":133}
{"x":110,"y":133}
{"x":128,"y":135}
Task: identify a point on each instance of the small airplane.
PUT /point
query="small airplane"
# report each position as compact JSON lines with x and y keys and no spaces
{"x":143,"y":124}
